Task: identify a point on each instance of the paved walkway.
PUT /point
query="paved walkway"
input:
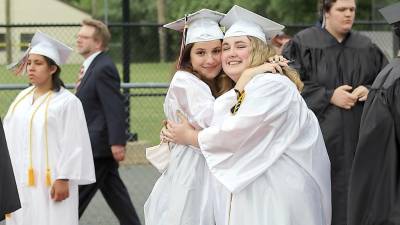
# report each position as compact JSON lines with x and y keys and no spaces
{"x":139,"y":180}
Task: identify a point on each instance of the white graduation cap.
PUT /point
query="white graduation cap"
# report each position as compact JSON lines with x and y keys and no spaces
{"x":201,"y":26}
{"x":242,"y":22}
{"x":43,"y":44}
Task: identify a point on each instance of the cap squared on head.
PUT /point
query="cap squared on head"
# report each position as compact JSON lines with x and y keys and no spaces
{"x":242,"y":22}
{"x":201,"y":26}
{"x":45,"y":45}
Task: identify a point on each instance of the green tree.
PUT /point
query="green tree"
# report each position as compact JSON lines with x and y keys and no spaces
{"x":144,"y":39}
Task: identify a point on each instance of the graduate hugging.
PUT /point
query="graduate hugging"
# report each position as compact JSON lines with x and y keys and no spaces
{"x":253,"y":155}
{"x":48,"y":139}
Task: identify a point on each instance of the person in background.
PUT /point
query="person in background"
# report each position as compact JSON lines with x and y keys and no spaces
{"x":374,"y":196}
{"x":98,"y":87}
{"x":48,"y":140}
{"x":9,"y":199}
{"x":279,"y":42}
{"x":337,"y":66}
{"x":264,"y":145}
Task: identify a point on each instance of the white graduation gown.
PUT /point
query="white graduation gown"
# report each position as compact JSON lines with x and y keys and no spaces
{"x":182,"y":195}
{"x":270,"y":157}
{"x":70,"y":156}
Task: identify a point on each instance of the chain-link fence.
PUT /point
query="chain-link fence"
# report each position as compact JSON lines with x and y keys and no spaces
{"x":143,"y":100}
{"x":136,"y":50}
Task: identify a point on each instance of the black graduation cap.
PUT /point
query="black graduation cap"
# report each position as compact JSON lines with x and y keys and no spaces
{"x":391,"y":13}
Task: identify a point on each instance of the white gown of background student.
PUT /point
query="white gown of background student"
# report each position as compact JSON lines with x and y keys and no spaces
{"x":70,"y":156}
{"x":182,"y":194}
{"x":270,"y":156}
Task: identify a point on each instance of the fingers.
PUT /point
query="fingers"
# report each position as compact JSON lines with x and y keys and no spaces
{"x":170,"y":125}
{"x":351,"y":97}
{"x":346,"y":87}
{"x":278,"y":68}
{"x":182,"y":118}
{"x":118,"y":156}
{"x":167,"y":135}
{"x":60,"y":196}
{"x":277,"y":59}
{"x":358,"y":91}
{"x":169,"y":139}
{"x":52,"y":192}
{"x":363,"y":99}
{"x":59,"y":191}
{"x":361,"y":92}
{"x":283,"y":64}
{"x":273,"y":67}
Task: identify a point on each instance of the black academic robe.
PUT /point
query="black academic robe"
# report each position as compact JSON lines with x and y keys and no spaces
{"x":9,"y":199}
{"x":374,"y":197}
{"x":325,"y":64}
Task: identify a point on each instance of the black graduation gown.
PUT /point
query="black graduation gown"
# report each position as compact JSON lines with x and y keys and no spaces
{"x":325,"y":64}
{"x":374,"y":184}
{"x":9,"y":199}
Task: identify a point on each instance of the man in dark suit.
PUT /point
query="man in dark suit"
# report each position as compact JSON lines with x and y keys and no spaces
{"x":98,"y":87}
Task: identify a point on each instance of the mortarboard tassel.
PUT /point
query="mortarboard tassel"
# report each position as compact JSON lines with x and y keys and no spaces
{"x":178,"y":66}
{"x":31,"y":177}
{"x":19,"y":67}
{"x":48,"y":172}
{"x":48,"y":178}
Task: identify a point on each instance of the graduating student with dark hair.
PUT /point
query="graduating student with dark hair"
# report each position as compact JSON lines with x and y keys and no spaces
{"x":337,"y":66}
{"x":9,"y":200}
{"x":48,"y":140}
{"x":374,"y":185}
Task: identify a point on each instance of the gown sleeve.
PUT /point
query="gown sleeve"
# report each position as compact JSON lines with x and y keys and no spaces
{"x":193,"y":97}
{"x":244,"y":145}
{"x":75,"y":161}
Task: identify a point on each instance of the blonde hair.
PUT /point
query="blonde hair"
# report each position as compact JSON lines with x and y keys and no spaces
{"x":101,"y":32}
{"x":260,"y":52}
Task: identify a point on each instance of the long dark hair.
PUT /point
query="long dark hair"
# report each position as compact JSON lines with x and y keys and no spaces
{"x":56,"y":80}
{"x":219,"y":85}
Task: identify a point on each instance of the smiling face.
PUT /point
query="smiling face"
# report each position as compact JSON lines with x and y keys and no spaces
{"x":340,"y":17}
{"x":39,"y":71}
{"x":205,"y":58}
{"x":236,"y":52}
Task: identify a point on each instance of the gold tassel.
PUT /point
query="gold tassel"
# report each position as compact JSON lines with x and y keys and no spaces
{"x":31,"y":177}
{"x":48,"y":178}
{"x":8,"y":215}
